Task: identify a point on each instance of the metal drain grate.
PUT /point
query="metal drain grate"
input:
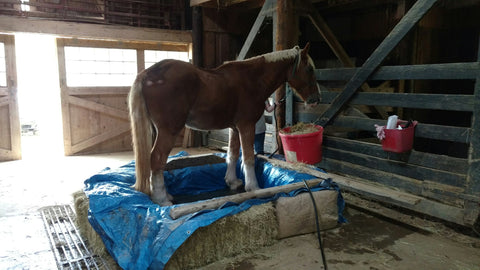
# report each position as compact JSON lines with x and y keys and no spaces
{"x":70,"y":250}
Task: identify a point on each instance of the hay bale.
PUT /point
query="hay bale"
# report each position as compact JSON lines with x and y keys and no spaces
{"x":227,"y":237}
{"x":93,"y":240}
{"x":296,"y":215}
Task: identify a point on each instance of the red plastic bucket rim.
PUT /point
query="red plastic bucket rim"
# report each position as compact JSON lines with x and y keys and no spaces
{"x":315,"y":133}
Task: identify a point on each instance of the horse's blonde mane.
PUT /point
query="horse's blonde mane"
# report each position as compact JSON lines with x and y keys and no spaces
{"x":280,"y":55}
{"x":277,"y":56}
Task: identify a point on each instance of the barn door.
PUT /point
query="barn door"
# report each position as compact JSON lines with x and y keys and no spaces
{"x":9,"y":119}
{"x":95,"y":78}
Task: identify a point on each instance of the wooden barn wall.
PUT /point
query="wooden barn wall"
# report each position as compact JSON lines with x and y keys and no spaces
{"x":432,"y":76}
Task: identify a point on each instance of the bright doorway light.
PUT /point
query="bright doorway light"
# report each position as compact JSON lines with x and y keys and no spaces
{"x":39,"y":96}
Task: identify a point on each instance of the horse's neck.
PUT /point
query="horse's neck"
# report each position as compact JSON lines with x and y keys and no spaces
{"x":267,"y":75}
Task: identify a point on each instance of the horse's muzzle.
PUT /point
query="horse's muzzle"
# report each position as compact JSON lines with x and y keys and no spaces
{"x":313,"y":99}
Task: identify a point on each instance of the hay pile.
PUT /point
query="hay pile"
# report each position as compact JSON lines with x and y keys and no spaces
{"x":300,"y":128}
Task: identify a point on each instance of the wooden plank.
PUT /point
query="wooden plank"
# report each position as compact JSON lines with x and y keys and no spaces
{"x":4,"y":101}
{"x":349,"y":184}
{"x":430,"y":131}
{"x":466,"y":70}
{"x":181,"y":210}
{"x":433,"y":161}
{"x":92,"y":31}
{"x":124,"y":44}
{"x":91,"y":105}
{"x":92,"y":141}
{"x":397,"y":167}
{"x":404,"y":100}
{"x":3,"y":91}
{"x":406,"y":23}
{"x":88,"y":91}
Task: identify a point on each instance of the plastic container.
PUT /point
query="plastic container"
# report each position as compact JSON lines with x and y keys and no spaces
{"x":399,"y":140}
{"x":304,"y":148}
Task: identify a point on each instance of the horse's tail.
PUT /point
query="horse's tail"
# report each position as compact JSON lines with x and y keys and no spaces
{"x":141,"y":134}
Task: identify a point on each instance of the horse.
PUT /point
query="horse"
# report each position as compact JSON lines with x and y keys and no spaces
{"x":172,"y":94}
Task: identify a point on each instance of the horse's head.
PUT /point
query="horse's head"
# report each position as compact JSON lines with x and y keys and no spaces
{"x":302,"y":77}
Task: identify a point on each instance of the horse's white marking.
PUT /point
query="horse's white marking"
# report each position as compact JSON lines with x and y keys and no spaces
{"x":231,"y":174}
{"x":148,"y":83}
{"x":159,"y":192}
{"x":250,"y":178}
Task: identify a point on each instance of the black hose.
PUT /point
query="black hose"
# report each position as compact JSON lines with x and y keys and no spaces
{"x":318,"y":225}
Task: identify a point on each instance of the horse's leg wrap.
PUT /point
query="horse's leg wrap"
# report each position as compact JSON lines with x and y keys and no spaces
{"x":159,"y":192}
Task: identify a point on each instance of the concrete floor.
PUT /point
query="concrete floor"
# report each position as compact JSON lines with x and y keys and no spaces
{"x":366,"y":242}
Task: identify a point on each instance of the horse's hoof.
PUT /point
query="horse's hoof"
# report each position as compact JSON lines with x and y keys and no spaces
{"x":250,"y":188}
{"x":235,"y":185}
{"x":162,"y":201}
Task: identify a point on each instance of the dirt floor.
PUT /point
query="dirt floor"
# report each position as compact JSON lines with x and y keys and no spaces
{"x":365,"y":242}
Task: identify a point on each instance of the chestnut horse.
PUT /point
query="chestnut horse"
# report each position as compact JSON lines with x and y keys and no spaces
{"x":171,"y":94}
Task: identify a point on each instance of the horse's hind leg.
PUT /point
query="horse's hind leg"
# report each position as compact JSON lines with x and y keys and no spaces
{"x":232,"y":156}
{"x":164,"y":143}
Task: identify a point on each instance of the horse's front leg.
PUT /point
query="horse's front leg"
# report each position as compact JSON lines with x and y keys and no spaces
{"x":232,"y":156}
{"x":247,"y":137}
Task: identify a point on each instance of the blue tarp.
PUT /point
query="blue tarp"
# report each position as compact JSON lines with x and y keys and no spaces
{"x":140,"y":234}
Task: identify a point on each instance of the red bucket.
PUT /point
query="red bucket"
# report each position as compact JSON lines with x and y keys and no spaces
{"x":399,"y":140}
{"x":304,"y":148}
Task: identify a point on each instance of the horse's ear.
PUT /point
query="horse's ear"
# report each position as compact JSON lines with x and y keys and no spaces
{"x":305,"y":49}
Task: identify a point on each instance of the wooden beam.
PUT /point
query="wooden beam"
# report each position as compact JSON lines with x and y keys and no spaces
{"x":104,"y":109}
{"x":99,"y":138}
{"x":408,"y":21}
{"x":92,"y":31}
{"x":215,"y":203}
{"x":449,"y":71}
{"x":98,"y":90}
{"x":264,"y":12}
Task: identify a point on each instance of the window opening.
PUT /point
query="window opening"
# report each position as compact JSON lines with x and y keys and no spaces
{"x":152,"y":57}
{"x":87,"y":66}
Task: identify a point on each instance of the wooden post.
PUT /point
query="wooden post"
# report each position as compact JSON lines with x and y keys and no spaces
{"x":286,"y":38}
{"x":191,"y":137}
{"x":473,"y":176}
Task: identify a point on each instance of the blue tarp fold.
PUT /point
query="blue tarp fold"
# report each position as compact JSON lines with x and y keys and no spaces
{"x":140,"y":234}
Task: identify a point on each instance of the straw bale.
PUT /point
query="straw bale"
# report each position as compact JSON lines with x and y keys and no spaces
{"x":227,"y":237}
{"x":296,"y":216}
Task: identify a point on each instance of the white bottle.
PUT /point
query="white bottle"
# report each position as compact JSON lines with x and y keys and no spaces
{"x":392,"y":122}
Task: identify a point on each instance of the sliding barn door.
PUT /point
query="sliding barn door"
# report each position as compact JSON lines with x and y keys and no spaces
{"x":10,"y":148}
{"x":95,"y":78}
